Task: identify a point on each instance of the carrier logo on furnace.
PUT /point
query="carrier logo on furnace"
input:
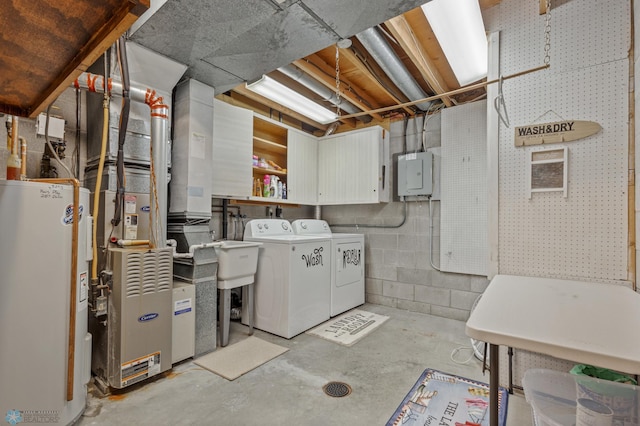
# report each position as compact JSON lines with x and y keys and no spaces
{"x":314,"y":258}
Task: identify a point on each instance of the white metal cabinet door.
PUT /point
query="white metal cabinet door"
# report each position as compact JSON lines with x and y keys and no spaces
{"x":302,"y":168}
{"x":232,"y":151}
{"x":350,"y":167}
{"x":329,"y":170}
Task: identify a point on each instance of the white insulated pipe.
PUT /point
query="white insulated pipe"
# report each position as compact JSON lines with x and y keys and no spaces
{"x":159,"y":144}
{"x":193,"y":248}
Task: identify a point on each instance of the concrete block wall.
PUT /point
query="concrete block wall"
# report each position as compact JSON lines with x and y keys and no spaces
{"x":63,"y":107}
{"x":398,"y":269}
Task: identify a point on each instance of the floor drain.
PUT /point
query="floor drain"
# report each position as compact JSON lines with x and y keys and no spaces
{"x":337,"y":389}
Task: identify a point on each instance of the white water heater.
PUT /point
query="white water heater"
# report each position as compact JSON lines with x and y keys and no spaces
{"x":42,"y":380}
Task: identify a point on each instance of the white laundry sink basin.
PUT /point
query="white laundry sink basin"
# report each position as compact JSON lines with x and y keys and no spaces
{"x":237,"y":263}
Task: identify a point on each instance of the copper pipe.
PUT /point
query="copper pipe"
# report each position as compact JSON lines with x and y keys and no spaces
{"x":23,"y":157}
{"x":74,"y":273}
{"x":631,"y":193}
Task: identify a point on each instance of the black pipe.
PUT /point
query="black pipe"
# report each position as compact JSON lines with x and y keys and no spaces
{"x":225,"y":223}
{"x":122,"y":129}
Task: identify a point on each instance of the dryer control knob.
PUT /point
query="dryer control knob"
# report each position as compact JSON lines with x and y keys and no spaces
{"x":266,"y":226}
{"x":285,"y":226}
{"x":303,"y":225}
{"x":259,"y":226}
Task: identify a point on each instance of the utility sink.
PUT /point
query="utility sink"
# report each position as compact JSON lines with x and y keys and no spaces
{"x":237,"y":263}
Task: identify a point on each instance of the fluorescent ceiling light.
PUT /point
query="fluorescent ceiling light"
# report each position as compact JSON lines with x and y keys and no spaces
{"x":277,"y":92}
{"x":459,"y":28}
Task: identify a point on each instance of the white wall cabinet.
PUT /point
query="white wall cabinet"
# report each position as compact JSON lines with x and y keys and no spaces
{"x":302,"y":160}
{"x":347,"y":168}
{"x":352,"y":167}
{"x":232,"y":151}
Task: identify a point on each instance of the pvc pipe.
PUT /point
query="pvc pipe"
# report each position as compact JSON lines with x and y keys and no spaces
{"x":96,"y":192}
{"x":193,"y":248}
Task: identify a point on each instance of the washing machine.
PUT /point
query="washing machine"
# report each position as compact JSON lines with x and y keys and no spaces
{"x":292,"y":283}
{"x":347,"y":263}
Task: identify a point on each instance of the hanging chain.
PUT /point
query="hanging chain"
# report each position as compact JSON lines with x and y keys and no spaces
{"x":547,"y":34}
{"x":337,"y":80}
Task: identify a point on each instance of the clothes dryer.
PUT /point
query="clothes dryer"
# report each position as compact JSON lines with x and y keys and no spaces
{"x":292,"y":283}
{"x":347,"y":263}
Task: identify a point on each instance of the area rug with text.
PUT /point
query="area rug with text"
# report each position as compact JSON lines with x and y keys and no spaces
{"x":349,"y":327}
{"x":440,"y":398}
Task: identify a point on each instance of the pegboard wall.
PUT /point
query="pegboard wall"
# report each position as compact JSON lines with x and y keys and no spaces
{"x":583,"y":236}
{"x":463,"y":217}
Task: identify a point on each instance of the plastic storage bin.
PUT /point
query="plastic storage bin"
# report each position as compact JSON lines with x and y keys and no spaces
{"x":562,"y":399}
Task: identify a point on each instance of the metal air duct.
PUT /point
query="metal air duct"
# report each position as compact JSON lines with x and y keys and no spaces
{"x":318,"y":88}
{"x":384,"y":55}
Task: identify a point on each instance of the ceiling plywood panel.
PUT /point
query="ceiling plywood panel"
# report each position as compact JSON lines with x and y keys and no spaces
{"x":285,"y":37}
{"x":189,"y":30}
{"x":45,"y":45}
{"x":358,"y":15}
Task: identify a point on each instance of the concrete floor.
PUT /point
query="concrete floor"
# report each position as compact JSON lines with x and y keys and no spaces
{"x":381,"y":369}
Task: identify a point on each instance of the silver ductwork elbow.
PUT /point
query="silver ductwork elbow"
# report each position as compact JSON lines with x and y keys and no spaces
{"x":384,"y":56}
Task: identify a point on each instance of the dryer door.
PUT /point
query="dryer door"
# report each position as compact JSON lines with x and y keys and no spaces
{"x":349,"y":258}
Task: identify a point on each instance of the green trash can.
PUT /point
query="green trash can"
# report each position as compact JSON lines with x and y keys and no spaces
{"x":620,"y":400}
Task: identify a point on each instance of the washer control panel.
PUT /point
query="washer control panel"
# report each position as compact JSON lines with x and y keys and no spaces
{"x":311,"y":227}
{"x":267,"y":227}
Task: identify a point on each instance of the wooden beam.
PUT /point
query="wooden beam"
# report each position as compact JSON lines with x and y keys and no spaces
{"x":351,"y":57}
{"x":242,"y":89}
{"x":543,"y":7}
{"x":404,"y":35}
{"x":120,"y":21}
{"x":320,"y":70}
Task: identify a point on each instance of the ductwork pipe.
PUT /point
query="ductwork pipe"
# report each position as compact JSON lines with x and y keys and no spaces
{"x":159,"y":142}
{"x":384,"y":56}
{"x":319,"y":89}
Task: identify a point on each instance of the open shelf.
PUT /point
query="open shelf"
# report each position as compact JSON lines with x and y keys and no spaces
{"x":260,"y":170}
{"x":262,"y":145}
{"x":270,"y":146}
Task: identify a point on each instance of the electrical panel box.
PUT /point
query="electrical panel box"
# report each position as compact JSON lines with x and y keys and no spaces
{"x":56,"y":126}
{"x":415,"y":174}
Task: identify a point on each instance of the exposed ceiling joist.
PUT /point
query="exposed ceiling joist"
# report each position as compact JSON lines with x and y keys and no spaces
{"x":320,"y":70}
{"x":401,"y":30}
{"x":371,"y":79}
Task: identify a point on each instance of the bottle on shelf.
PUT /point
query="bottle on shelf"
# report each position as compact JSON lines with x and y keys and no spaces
{"x":273,"y":187}
{"x":265,"y":188}
{"x":284,"y":190}
{"x":257,"y":190}
{"x":279,"y":189}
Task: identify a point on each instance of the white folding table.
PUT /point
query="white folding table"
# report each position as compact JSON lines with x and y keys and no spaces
{"x":591,"y":323}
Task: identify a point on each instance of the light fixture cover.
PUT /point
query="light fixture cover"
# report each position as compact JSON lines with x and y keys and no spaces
{"x":459,"y":28}
{"x":277,"y":92}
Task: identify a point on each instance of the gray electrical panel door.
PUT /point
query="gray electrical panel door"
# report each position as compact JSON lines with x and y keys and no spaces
{"x":414,"y":174}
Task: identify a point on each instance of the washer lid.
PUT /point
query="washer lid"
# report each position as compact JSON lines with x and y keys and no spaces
{"x":288,"y":239}
{"x":311,"y":226}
